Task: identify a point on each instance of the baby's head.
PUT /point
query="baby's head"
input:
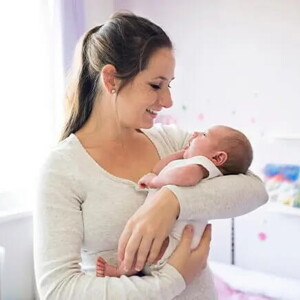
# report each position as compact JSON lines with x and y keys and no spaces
{"x":228,"y":148}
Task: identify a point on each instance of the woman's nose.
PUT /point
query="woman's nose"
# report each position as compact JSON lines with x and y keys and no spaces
{"x":166,"y":99}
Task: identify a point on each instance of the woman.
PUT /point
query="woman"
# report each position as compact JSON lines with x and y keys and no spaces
{"x":88,"y":192}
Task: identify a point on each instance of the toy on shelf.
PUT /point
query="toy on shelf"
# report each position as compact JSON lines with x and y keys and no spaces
{"x":283,"y":183}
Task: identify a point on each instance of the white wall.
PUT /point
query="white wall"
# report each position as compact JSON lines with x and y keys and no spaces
{"x":278,"y":252}
{"x":237,"y":64}
{"x":97,"y":11}
{"x":18,"y":278}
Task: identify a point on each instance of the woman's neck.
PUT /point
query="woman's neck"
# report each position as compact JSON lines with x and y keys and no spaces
{"x":102,"y":127}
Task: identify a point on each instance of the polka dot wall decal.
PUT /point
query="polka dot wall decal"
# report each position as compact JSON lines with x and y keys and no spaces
{"x":262,"y":236}
{"x":201,"y":117}
{"x":253,"y":120}
{"x":184,"y":107}
{"x":166,"y":119}
{"x":233,"y":112}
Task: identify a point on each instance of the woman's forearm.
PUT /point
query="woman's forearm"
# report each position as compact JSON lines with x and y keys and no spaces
{"x":222,"y":197}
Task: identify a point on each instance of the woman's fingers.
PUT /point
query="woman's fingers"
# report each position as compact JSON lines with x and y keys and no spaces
{"x":202,"y":250}
{"x":130,"y":251}
{"x":143,"y":252}
{"x":204,"y":244}
{"x":155,"y":249}
{"x":123,"y":240}
{"x":186,"y":239}
{"x":206,"y":236}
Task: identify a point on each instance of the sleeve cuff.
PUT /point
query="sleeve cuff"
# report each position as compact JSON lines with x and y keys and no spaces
{"x":213,"y":171}
{"x":175,"y":277}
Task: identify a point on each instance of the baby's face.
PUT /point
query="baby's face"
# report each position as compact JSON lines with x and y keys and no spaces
{"x":204,"y":143}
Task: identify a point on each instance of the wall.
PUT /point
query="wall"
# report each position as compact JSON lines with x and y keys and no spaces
{"x":267,"y":240}
{"x":16,"y":238}
{"x":97,"y":11}
{"x":237,"y":64}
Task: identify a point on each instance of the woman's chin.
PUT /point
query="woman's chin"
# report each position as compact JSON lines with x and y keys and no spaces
{"x":147,"y":125}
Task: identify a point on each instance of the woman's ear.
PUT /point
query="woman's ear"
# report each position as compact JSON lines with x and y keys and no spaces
{"x":219,"y":158}
{"x":109,"y":79}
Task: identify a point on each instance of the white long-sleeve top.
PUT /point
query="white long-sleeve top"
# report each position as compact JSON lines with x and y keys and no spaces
{"x":81,"y":210}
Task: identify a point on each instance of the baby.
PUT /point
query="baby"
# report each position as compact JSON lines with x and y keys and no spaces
{"x":221,"y":150}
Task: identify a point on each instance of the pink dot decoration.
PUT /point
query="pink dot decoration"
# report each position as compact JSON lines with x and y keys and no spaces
{"x":262,"y":236}
{"x":253,"y":120}
{"x":166,"y":119}
{"x":201,"y":117}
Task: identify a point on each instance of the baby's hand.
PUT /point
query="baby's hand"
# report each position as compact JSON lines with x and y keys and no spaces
{"x":145,"y":181}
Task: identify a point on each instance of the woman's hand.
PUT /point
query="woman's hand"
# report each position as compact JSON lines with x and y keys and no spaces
{"x":147,"y":229}
{"x":189,"y":263}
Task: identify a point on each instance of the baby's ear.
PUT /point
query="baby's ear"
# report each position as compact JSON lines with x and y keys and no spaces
{"x":219,"y":158}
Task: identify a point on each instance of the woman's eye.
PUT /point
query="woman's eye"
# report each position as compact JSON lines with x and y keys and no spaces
{"x":155,"y":86}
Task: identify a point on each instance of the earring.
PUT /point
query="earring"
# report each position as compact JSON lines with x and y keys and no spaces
{"x":113,"y":91}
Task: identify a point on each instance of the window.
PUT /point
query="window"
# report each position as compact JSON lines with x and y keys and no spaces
{"x":30,"y":101}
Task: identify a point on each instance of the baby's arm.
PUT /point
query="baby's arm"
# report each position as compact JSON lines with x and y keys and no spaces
{"x":145,"y":181}
{"x":189,"y":174}
{"x":184,"y":176}
{"x":164,"y":161}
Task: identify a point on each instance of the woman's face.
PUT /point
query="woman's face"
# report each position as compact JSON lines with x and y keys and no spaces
{"x":140,"y":101}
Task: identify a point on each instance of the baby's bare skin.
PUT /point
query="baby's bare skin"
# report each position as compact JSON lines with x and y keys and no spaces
{"x":104,"y":269}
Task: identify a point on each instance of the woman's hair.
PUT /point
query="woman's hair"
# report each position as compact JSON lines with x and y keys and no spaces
{"x":125,"y":41}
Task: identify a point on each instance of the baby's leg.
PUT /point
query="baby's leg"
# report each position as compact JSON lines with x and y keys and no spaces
{"x":104,"y":269}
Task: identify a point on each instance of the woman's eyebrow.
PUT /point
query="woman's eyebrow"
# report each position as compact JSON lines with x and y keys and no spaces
{"x":163,"y":78}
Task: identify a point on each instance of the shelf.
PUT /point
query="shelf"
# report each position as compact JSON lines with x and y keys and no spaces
{"x":285,"y":136}
{"x":11,"y":215}
{"x":284,"y":209}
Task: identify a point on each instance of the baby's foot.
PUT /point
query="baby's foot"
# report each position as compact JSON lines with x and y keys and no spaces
{"x":104,"y":269}
{"x":100,"y":268}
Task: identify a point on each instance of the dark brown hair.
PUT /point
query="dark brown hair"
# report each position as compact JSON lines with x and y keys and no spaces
{"x":125,"y":41}
{"x":239,"y":152}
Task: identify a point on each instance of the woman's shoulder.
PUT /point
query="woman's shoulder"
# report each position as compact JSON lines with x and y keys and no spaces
{"x":63,"y":153}
{"x":170,"y":135}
